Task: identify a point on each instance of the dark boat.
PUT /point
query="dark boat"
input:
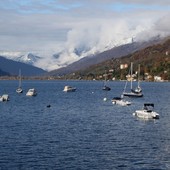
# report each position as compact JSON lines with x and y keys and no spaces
{"x":105,"y":87}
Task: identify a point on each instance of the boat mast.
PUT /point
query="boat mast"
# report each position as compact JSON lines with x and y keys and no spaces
{"x":19,"y":78}
{"x":105,"y":78}
{"x":138,"y":75}
{"x":131,"y":72}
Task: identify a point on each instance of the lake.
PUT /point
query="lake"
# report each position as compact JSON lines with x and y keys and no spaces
{"x":80,"y":131}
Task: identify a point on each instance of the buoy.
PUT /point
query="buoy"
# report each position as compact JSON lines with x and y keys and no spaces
{"x":49,"y":105}
{"x":105,"y":99}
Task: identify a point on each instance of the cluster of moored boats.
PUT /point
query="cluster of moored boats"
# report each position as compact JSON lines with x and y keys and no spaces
{"x":30,"y":92}
{"x":146,"y":112}
{"x":33,"y":92}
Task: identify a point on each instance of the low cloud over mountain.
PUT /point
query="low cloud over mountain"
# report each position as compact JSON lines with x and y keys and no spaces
{"x":62,"y":32}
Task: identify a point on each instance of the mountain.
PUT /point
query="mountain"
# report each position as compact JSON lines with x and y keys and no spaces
{"x":68,"y":59}
{"x":115,"y":52}
{"x":154,"y":61}
{"x":10,"y":67}
{"x":3,"y":73}
{"x":28,"y":58}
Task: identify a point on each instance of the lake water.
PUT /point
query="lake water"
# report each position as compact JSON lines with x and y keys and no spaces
{"x":80,"y":131}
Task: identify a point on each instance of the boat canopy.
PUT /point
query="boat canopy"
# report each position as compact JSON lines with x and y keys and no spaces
{"x":117,"y":98}
{"x":148,"y":104}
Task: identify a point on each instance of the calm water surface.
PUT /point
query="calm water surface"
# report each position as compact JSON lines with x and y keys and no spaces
{"x":80,"y":131}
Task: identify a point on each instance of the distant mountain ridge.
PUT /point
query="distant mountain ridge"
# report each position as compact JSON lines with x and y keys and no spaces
{"x":36,"y":60}
{"x":154,"y":63}
{"x":115,"y":52}
{"x":28,"y":59}
{"x":10,"y":67}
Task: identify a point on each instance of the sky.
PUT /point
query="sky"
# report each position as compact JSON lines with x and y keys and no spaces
{"x":47,"y":27}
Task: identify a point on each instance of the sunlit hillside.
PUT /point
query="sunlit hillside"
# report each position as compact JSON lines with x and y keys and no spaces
{"x":154,"y":65}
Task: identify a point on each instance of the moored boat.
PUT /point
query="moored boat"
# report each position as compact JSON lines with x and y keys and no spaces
{"x":105,"y":87}
{"x":19,"y":89}
{"x":133,"y":92}
{"x":120,"y":101}
{"x":69,"y":89}
{"x":147,"y":112}
{"x":31,"y":92}
{"x":4,"y":97}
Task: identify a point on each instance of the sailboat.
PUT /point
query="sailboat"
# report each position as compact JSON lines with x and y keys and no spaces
{"x":138,"y":89}
{"x":134,"y":92}
{"x":19,"y":89}
{"x":105,"y":87}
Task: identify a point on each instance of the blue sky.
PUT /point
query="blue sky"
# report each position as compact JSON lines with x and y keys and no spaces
{"x":56,"y":25}
{"x":50,"y":6}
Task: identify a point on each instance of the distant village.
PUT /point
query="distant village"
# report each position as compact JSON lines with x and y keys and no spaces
{"x":109,"y":75}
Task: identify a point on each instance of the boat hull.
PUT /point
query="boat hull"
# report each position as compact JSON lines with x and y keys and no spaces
{"x":121,"y":102}
{"x":133,"y":94}
{"x":31,"y":92}
{"x":19,"y":90}
{"x":69,"y":89}
{"x":146,"y":114}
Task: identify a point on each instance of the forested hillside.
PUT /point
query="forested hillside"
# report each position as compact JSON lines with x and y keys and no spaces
{"x":154,"y":62}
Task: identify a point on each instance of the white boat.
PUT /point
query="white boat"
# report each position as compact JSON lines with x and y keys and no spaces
{"x":69,"y":89}
{"x":4,"y":97}
{"x":19,"y":89}
{"x":31,"y":92}
{"x":120,"y":101}
{"x":105,"y":87}
{"x":147,"y":112}
{"x":138,"y":91}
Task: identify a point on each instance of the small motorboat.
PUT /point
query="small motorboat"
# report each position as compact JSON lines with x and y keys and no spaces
{"x":120,"y":101}
{"x":69,"y":89}
{"x":106,"y":88}
{"x":4,"y":97}
{"x":147,"y":112}
{"x":31,"y":92}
